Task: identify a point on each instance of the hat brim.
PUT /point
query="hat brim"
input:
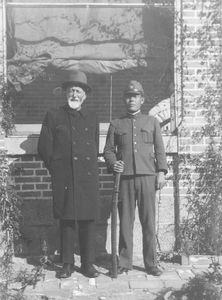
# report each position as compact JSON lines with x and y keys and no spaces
{"x":84,"y":86}
{"x":133,"y":93}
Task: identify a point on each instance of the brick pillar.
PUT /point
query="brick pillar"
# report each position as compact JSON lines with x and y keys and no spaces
{"x":191,"y":72}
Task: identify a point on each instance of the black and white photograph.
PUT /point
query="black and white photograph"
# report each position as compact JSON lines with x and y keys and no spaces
{"x":111,"y":149}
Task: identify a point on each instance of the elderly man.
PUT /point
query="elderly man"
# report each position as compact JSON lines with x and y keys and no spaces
{"x":68,"y":145}
{"x":134,"y":147}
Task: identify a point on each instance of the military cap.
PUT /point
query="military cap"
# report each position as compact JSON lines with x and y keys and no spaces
{"x":134,"y":87}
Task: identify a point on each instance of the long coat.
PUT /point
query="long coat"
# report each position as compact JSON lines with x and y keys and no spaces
{"x":138,"y":142}
{"x":68,"y":145}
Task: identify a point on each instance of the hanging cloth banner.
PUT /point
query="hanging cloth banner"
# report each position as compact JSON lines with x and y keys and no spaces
{"x":95,"y":40}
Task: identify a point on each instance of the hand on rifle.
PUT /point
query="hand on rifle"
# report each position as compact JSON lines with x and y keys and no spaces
{"x":118,"y":167}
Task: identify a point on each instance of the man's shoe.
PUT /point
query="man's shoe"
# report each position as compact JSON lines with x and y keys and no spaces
{"x":122,"y":270}
{"x":66,"y":271}
{"x":154,"y":270}
{"x":89,"y":271}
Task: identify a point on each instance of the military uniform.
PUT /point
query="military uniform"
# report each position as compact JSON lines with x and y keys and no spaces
{"x":136,"y":140}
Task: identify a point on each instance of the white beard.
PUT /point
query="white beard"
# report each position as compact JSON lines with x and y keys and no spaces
{"x":75,"y":104}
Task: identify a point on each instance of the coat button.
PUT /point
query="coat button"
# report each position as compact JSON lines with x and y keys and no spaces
{"x":75,"y":158}
{"x":86,"y":129}
{"x":88,"y":158}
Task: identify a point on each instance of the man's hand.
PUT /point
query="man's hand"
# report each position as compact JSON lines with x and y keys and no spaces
{"x":118,"y":167}
{"x":160,"y":180}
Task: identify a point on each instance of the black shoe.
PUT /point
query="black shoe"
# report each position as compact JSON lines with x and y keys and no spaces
{"x":122,"y":270}
{"x":66,"y":271}
{"x":154,"y":270}
{"x":89,"y":271}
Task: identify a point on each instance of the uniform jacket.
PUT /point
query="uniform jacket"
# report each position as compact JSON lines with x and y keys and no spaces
{"x":68,"y":145}
{"x":138,"y":142}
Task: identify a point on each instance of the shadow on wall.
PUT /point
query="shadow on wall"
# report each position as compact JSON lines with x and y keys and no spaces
{"x":40,"y":231}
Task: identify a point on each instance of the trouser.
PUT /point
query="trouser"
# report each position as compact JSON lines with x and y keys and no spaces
{"x":86,"y":234}
{"x":142,"y":189}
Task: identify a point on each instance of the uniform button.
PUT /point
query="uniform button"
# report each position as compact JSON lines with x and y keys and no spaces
{"x":135,"y":150}
{"x":74,"y":143}
{"x":66,"y":187}
{"x":135,"y":143}
{"x":86,"y":129}
{"x":73,"y":128}
{"x":75,"y":158}
{"x":88,"y":158}
{"x":89,"y":173}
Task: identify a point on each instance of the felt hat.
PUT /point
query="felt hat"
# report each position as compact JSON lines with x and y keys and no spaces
{"x":77,"y":78}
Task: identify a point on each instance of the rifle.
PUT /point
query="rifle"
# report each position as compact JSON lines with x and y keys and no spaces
{"x":114,"y":224}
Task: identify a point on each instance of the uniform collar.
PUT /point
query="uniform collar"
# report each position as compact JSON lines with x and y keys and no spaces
{"x":82,"y":112}
{"x":135,"y":115}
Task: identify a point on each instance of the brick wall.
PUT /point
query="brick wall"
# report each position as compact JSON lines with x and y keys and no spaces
{"x":195,"y":69}
{"x":197,"y":75}
{"x":33,"y":184}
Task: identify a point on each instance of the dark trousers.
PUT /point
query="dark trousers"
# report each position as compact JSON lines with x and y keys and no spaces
{"x":86,"y":234}
{"x":140,"y":189}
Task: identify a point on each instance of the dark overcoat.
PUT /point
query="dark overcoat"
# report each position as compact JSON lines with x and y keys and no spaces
{"x":68,"y":145}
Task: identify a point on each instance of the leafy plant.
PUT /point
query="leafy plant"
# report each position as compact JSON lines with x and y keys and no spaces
{"x":201,"y":174}
{"x":8,"y":95}
{"x":204,"y":286}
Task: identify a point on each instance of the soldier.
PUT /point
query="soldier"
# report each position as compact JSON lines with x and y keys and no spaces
{"x":68,"y":145}
{"x":134,"y":147}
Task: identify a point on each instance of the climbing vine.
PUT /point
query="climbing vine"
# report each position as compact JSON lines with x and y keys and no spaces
{"x":8,"y":96}
{"x":202,"y":174}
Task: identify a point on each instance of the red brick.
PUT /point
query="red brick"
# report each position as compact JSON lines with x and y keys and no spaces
{"x":27,"y":179}
{"x":28,"y":165}
{"x":41,"y":172}
{"x":29,"y":194}
{"x":106,"y":178}
{"x":27,"y":158}
{"x":41,"y":186}
{"x":104,"y":171}
{"x":108,"y":185}
{"x":47,"y":193}
{"x":37,"y":158}
{"x":46,"y":179}
{"x":27,"y":187}
{"x":27,"y":172}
